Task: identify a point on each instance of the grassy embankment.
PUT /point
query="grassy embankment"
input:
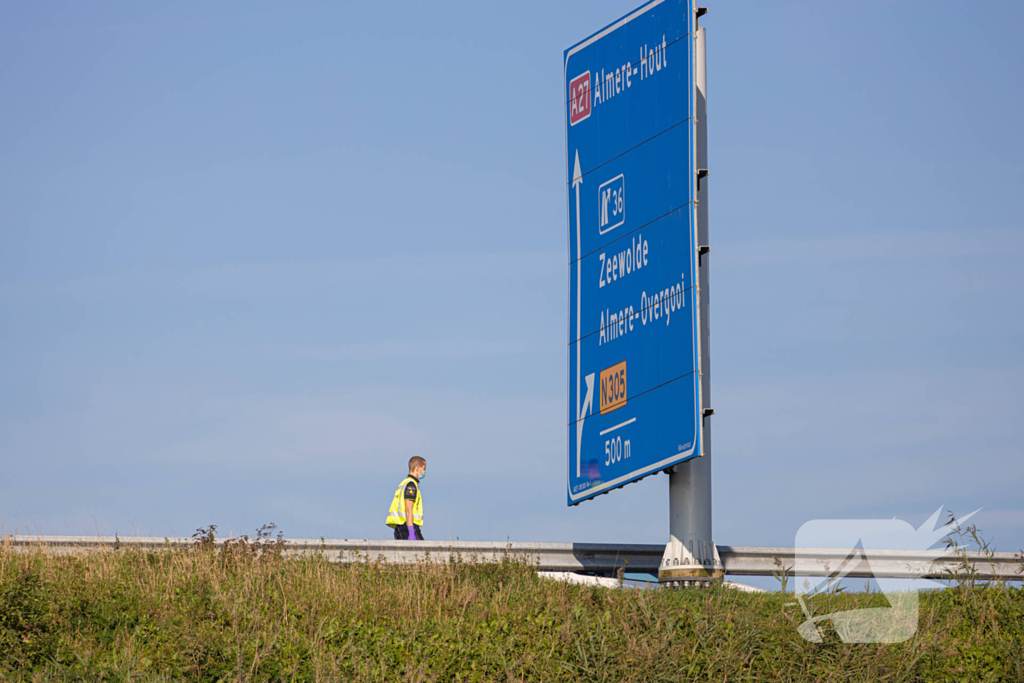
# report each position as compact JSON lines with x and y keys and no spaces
{"x":203,"y":615}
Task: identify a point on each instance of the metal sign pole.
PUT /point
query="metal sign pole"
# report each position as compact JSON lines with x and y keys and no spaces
{"x":691,"y":555}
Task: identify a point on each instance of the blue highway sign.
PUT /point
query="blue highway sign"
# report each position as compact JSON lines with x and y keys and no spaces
{"x":634,"y":385}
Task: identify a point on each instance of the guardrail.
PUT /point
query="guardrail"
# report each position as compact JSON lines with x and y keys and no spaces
{"x":894,"y":564}
{"x":588,"y":557}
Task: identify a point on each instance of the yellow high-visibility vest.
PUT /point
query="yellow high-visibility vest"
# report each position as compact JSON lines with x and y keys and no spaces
{"x":396,"y":515}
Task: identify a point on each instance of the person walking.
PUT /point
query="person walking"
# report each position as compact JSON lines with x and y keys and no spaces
{"x":406,"y":513}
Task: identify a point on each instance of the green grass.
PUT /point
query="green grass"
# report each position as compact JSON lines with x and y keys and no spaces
{"x":203,"y":615}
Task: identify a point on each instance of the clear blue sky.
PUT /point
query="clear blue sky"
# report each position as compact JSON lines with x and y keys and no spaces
{"x":255,"y":255}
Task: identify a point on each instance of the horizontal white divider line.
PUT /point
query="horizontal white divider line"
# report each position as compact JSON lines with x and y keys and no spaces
{"x":621,"y":424}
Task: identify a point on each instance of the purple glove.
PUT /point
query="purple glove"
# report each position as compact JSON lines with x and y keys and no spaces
{"x":412,"y":532}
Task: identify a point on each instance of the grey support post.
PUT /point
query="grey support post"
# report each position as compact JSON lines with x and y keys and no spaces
{"x":691,"y":555}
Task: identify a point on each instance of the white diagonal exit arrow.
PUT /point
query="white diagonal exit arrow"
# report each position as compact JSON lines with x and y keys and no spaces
{"x":587,"y":405}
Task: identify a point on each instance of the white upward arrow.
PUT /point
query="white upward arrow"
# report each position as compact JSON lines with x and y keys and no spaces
{"x":587,"y":405}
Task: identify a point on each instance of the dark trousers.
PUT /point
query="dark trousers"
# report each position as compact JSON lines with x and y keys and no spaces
{"x":402,"y":533}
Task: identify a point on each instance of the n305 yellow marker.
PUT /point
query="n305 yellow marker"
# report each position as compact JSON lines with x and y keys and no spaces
{"x":613,"y":387}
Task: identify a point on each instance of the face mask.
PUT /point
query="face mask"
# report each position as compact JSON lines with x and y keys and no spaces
{"x":422,"y":474}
